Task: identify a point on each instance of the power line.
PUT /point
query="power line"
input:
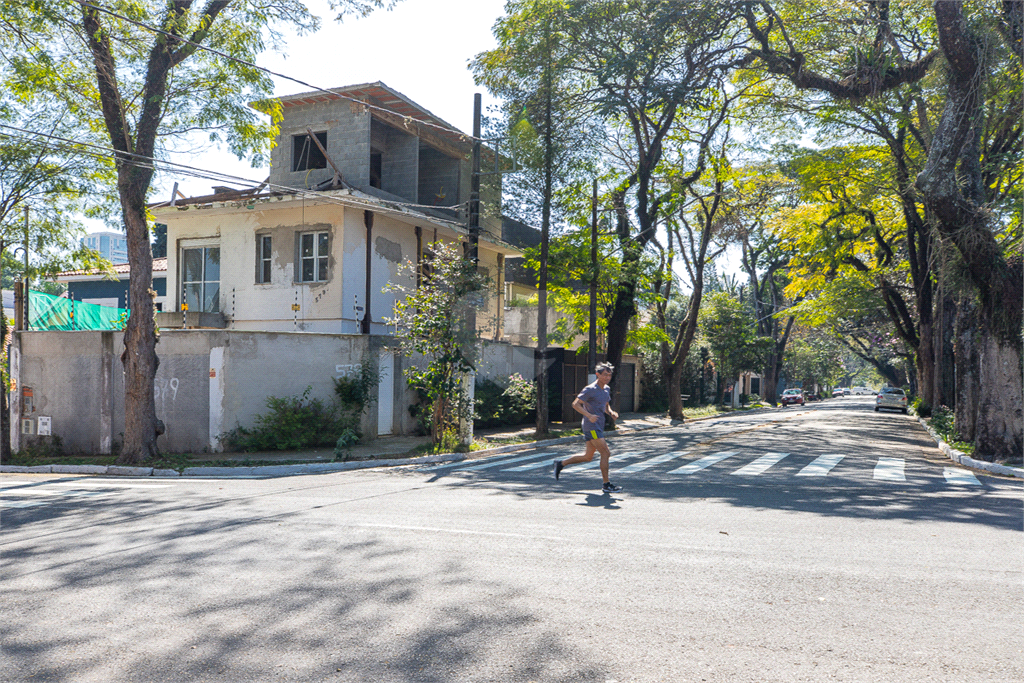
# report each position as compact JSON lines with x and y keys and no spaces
{"x":142,"y":161}
{"x":268,"y":71}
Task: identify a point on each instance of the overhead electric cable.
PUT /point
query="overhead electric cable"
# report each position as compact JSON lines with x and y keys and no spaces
{"x":142,"y":161}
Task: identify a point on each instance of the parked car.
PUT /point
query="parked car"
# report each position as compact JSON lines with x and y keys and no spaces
{"x":812,"y":397}
{"x":891,"y":397}
{"x":846,"y":391}
{"x":792,"y":397}
{"x":861,"y":391}
{"x":838,"y":392}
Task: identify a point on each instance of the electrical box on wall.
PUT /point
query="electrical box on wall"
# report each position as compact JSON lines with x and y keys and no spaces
{"x":43,"y":426}
{"x":27,"y":402}
{"x":28,"y":426}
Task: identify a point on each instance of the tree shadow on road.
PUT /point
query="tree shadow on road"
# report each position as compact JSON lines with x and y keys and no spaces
{"x":237,"y":593}
{"x":849,"y":490}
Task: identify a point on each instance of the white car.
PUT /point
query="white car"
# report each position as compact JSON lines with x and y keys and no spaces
{"x":891,"y":397}
{"x":861,"y":391}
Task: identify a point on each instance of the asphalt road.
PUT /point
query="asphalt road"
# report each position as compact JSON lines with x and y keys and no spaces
{"x":822,"y":544}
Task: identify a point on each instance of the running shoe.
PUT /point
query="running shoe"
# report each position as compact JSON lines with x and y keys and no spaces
{"x":611,"y":488}
{"x":558,"y":468}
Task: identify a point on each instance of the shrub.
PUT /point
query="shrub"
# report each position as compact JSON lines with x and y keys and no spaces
{"x":343,"y":446}
{"x":514,"y":403}
{"x":919,"y":407}
{"x":296,"y":422}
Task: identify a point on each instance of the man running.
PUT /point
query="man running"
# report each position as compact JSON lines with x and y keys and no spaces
{"x":592,"y":403}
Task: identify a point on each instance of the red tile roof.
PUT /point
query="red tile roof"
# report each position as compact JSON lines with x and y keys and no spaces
{"x":159,"y":264}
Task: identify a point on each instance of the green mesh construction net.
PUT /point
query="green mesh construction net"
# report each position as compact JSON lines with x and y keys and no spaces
{"x":48,"y":312}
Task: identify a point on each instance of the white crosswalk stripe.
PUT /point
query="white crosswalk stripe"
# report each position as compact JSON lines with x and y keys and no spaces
{"x":651,"y":462}
{"x":530,"y":466}
{"x":22,"y":503}
{"x":761,"y":465}
{"x":821,"y":466}
{"x":464,"y":466}
{"x":890,"y":469}
{"x":596,"y":462}
{"x":960,"y":477}
{"x":706,"y":461}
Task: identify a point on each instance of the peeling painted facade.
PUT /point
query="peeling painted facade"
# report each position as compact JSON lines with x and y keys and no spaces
{"x":378,"y":184}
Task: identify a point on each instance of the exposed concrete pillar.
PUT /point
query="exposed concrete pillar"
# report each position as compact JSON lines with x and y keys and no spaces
{"x":15,"y":402}
{"x":106,"y":416}
{"x":216,"y":398}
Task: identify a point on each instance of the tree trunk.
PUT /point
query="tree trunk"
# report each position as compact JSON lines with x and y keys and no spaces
{"x":945,"y":373}
{"x":1000,"y":413}
{"x":5,"y":399}
{"x":674,"y":381}
{"x":967,"y":365}
{"x":952,"y":188}
{"x":139,"y":358}
{"x":924,"y":363}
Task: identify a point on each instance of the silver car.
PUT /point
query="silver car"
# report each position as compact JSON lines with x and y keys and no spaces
{"x":891,"y":397}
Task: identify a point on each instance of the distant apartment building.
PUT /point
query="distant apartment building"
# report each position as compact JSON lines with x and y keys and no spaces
{"x":112,"y":246}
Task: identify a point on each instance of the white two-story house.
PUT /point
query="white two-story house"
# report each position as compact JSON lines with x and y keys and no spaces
{"x":361,"y":180}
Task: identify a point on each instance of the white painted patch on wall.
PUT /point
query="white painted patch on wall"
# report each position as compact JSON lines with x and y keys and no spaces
{"x":216,"y":397}
{"x":386,"y":394}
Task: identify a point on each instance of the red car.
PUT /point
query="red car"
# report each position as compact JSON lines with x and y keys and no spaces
{"x":792,"y":397}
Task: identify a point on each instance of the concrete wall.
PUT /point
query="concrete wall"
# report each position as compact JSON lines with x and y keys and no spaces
{"x":438,"y":178}
{"x":208,"y":382}
{"x":347,"y":125}
{"x":399,"y":160}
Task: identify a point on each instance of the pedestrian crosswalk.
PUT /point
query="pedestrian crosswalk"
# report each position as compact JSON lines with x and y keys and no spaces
{"x":738,"y":463}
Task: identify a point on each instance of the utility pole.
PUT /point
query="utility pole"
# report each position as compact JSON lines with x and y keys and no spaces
{"x":26,"y":297}
{"x":473,"y":255}
{"x":592,"y":342}
{"x":474,"y":188}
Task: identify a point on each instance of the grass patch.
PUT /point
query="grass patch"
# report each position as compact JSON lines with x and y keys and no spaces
{"x":704,"y":411}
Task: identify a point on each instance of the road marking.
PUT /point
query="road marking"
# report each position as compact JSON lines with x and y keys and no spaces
{"x":508,"y":461}
{"x":890,"y":469}
{"x":530,"y":466}
{"x":491,"y":462}
{"x":65,"y":494}
{"x":760,"y":465}
{"x":596,"y":462}
{"x":651,"y":462}
{"x":22,"y":503}
{"x":706,"y":461}
{"x":108,"y":484}
{"x":821,"y":465}
{"x":960,"y":477}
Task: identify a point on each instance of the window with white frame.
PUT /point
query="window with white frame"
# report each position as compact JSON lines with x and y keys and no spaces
{"x":314,"y":251}
{"x":200,"y":278}
{"x":264,"y":252}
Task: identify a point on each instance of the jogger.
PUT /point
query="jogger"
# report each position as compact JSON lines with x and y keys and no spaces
{"x":592,"y":403}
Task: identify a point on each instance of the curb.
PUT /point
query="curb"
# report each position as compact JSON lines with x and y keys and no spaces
{"x":327,"y":467}
{"x":968,"y":461}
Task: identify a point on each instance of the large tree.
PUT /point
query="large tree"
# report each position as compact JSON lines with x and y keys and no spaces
{"x":550,"y":133}
{"x":650,"y":68}
{"x":973,"y":158}
{"x":137,"y":77}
